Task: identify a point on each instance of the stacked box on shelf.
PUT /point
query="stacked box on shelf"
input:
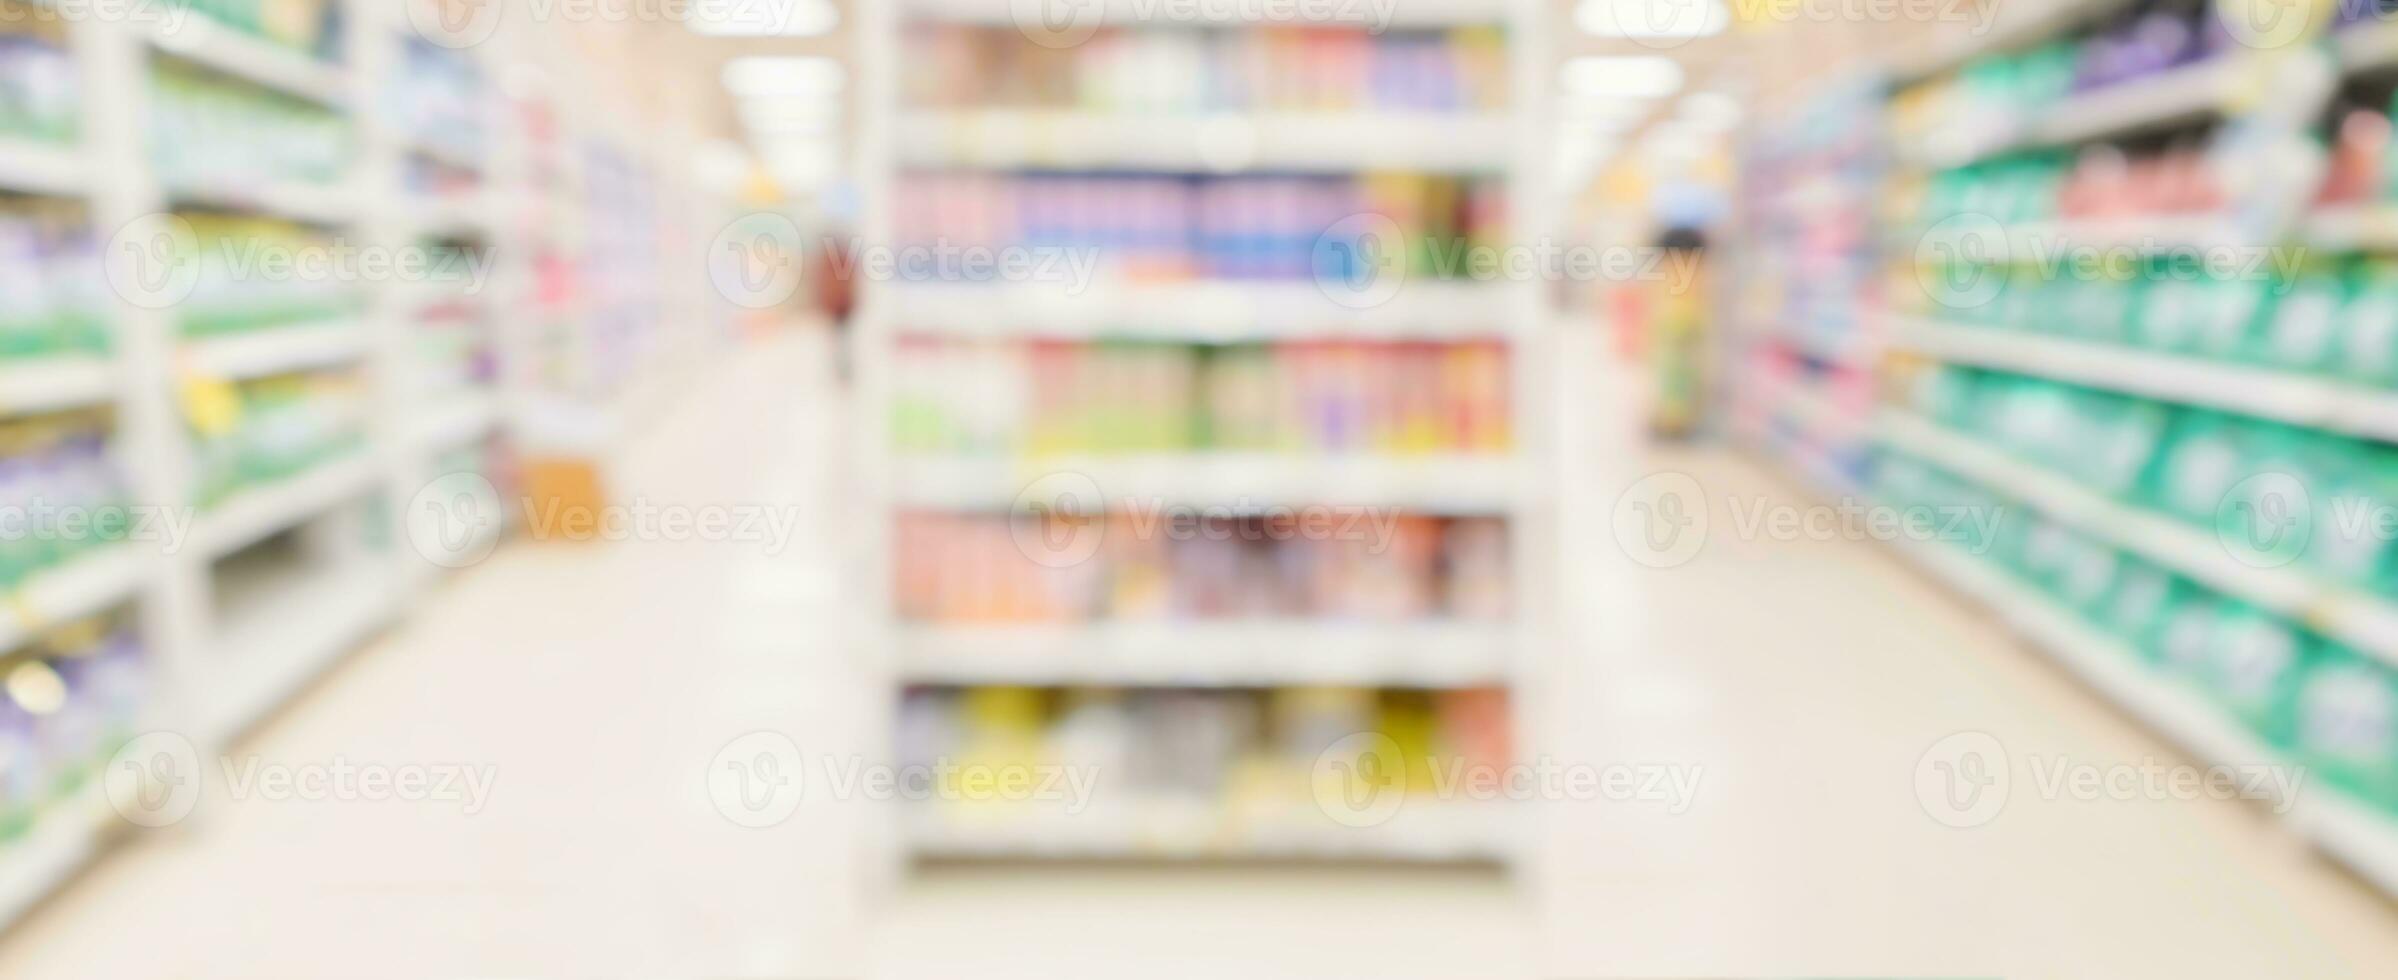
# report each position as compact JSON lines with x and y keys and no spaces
{"x":52,"y":295}
{"x":74,"y":694}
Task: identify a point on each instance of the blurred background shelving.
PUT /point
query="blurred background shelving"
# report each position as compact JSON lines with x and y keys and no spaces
{"x":290,"y":419}
{"x":1213,"y":362}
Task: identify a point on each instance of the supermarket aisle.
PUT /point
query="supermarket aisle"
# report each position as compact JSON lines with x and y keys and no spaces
{"x":1805,"y":678}
{"x":596,"y":683}
{"x":1808,"y":678}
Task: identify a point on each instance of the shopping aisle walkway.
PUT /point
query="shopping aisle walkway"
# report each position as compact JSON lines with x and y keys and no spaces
{"x":1803,"y":678}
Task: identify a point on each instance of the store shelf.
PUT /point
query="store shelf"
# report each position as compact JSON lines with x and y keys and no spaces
{"x":2279,"y":395}
{"x":1193,"y":829}
{"x":1454,"y":484}
{"x":258,"y":512}
{"x":1217,"y":311}
{"x":312,"y":204}
{"x":2168,"y":98}
{"x":34,"y":168}
{"x":205,"y":42}
{"x":1344,"y":142}
{"x":47,"y":384}
{"x":1131,"y":12}
{"x":2364,"y":840}
{"x":286,"y":638}
{"x":1187,"y":654}
{"x":457,"y":158}
{"x":2354,"y":616}
{"x":65,"y":837}
{"x":80,"y":587}
{"x":454,"y":420}
{"x":258,"y":353}
{"x":2351,"y":228}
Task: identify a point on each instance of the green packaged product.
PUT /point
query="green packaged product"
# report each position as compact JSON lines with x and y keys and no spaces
{"x":2346,"y":727}
{"x":2227,"y":313}
{"x":2169,"y":314}
{"x":2304,"y":330}
{"x":2136,"y":609}
{"x":2202,"y":461}
{"x":2253,"y":668}
{"x":2369,"y":339}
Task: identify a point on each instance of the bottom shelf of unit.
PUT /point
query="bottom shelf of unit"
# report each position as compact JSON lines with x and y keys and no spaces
{"x":2364,"y":840}
{"x":287,"y":632}
{"x":1178,"y":830}
{"x":66,"y":836}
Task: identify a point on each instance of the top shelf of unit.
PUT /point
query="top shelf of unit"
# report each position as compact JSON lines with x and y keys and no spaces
{"x":1167,"y":13}
{"x":1335,"y":143}
{"x":204,"y":42}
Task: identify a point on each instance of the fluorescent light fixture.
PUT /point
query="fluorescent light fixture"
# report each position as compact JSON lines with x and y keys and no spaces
{"x":761,"y":18}
{"x":1645,"y":19}
{"x":1645,"y":76}
{"x":762,"y":75}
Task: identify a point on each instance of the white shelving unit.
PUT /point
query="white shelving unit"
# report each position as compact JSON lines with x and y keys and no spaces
{"x":2350,"y":832}
{"x":2299,"y":399}
{"x":1178,"y":654}
{"x":228,"y":650}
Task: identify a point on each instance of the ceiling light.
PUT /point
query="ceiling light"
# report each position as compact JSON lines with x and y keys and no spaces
{"x":1645,"y":76}
{"x":762,"y":75}
{"x":1652,"y":18}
